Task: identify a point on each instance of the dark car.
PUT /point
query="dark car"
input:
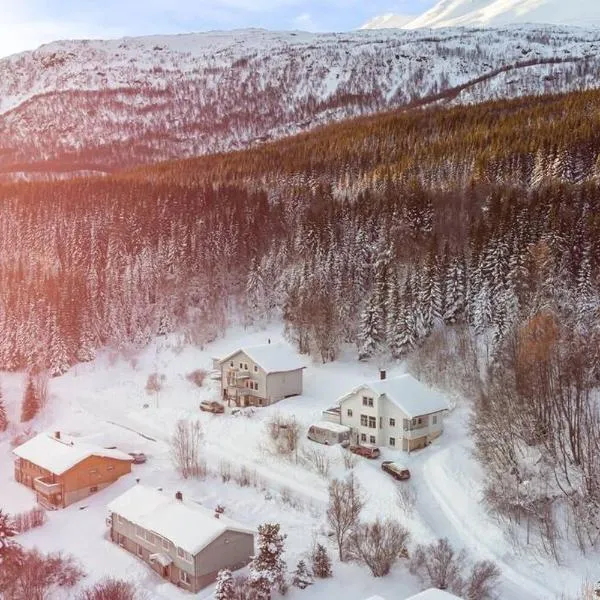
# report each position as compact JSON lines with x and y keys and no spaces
{"x":366,"y":451}
{"x":396,"y":470}
{"x":212,"y":406}
{"x":138,"y":457}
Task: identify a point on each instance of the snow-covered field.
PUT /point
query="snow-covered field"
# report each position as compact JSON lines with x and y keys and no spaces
{"x":106,"y":402}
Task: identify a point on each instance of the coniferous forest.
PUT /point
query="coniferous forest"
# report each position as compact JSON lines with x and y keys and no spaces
{"x":377,"y":233}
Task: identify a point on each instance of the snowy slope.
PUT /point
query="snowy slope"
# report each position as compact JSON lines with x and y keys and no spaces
{"x":454,"y":13}
{"x":97,"y":105}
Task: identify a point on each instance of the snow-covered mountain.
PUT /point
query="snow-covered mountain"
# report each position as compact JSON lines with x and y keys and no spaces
{"x":455,"y":13}
{"x":99,"y":105}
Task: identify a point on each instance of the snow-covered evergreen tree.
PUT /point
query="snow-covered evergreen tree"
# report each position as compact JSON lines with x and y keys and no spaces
{"x":321,"y":562}
{"x":3,"y":415}
{"x":372,"y":328}
{"x":302,"y":577}
{"x":225,"y":587}
{"x":267,"y":569}
{"x":31,"y":402}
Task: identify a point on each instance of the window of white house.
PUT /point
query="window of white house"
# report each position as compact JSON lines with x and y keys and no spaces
{"x":372,"y":423}
{"x":231,"y":364}
{"x":392,"y":422}
{"x":364,"y":420}
{"x":183,"y":576}
{"x":392,"y":441}
{"x":150,"y":537}
{"x":139,"y":531}
{"x":365,"y":401}
{"x":255,"y":369}
{"x":372,"y":439}
{"x":370,"y":401}
{"x":241,"y":365}
{"x":245,"y":366}
{"x":349,"y":411}
{"x":140,"y":550}
{"x":434,"y":419}
{"x":363,"y":437}
{"x":165,"y":543}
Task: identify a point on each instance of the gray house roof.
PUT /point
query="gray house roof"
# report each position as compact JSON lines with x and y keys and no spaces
{"x":412,"y":397}
{"x":272,"y":358}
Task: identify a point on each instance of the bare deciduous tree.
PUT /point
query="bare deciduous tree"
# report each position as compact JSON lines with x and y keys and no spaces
{"x":378,"y":545}
{"x":406,"y":497}
{"x":343,"y":512}
{"x":318,"y":460}
{"x":482,"y":580}
{"x":439,"y":565}
{"x":112,"y":589}
{"x":186,"y":445}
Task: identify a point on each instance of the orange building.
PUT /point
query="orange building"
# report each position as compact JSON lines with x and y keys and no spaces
{"x":63,"y":471}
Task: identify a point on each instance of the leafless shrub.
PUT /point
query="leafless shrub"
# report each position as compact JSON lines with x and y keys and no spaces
{"x":378,"y":545}
{"x":245,"y":477}
{"x":154,"y":383}
{"x":482,"y":580}
{"x":186,"y":444}
{"x":283,"y":433}
{"x":346,"y":502}
{"x":30,"y":519}
{"x":21,"y":437}
{"x":350,"y":460}
{"x":225,"y":471}
{"x":406,"y":497}
{"x":112,"y":589}
{"x":287,"y":497}
{"x":317,"y":460}
{"x":438,"y":565}
{"x":39,"y":574}
{"x":197,"y":377}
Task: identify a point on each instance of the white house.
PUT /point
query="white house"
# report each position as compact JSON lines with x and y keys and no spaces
{"x":261,"y":375}
{"x":399,"y":412}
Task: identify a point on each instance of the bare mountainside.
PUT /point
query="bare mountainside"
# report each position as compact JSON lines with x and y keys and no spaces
{"x":85,"y":106}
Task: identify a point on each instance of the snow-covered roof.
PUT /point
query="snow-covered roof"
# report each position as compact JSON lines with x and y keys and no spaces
{"x":60,"y":455}
{"x":273,"y":358}
{"x":375,"y":598}
{"x":434,"y":594}
{"x":188,"y":525}
{"x":331,"y":426}
{"x":411,"y":396}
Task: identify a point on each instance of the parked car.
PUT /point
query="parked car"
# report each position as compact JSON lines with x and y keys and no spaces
{"x":366,"y":451}
{"x":396,"y":470}
{"x":212,"y":406}
{"x":328,"y":433}
{"x":138,"y":457}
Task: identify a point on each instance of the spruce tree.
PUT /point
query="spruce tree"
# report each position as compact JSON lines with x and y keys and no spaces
{"x":31,"y":402}
{"x":321,"y":562}
{"x":3,"y":415}
{"x":302,"y":576}
{"x":371,"y":328}
{"x":267,"y":569}
{"x":225,"y":588}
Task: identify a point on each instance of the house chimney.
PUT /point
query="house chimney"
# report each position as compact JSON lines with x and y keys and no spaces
{"x":179,"y":496}
{"x":268,"y":340}
{"x":382,"y":374}
{"x":137,"y":479}
{"x":57,"y":435}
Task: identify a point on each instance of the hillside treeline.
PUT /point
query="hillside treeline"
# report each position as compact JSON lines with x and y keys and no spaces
{"x":374,"y":233}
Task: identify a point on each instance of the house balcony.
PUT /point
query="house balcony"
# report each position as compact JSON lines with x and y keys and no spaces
{"x":46,"y":488}
{"x":415,"y":432}
{"x":333,"y":415}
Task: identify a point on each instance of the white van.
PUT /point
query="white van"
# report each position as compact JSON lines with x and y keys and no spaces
{"x":329,"y":434}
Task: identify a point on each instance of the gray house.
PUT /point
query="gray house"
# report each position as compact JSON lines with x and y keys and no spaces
{"x":400,"y":413}
{"x":260,"y":375}
{"x":184,"y":542}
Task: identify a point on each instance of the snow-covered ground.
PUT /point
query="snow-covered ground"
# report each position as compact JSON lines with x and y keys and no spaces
{"x":106,"y":402}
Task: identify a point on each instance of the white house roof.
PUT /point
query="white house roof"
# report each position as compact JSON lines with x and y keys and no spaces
{"x":60,"y":455}
{"x":411,"y":396}
{"x":273,"y":358}
{"x":188,"y":525}
{"x":434,"y":594}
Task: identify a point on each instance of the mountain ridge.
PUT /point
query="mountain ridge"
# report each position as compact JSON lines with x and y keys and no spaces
{"x":494,"y":13}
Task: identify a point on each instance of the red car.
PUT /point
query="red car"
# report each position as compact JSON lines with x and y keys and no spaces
{"x":366,"y":451}
{"x":396,"y":470}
